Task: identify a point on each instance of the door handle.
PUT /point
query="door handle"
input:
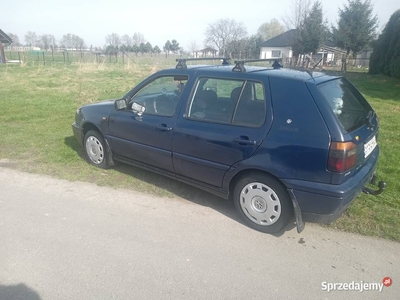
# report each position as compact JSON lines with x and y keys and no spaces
{"x":163,"y":127}
{"x":244,"y":140}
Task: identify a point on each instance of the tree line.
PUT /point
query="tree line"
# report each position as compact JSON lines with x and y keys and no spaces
{"x":137,"y":43}
{"x":48,"y":41}
{"x":114,"y":43}
{"x":355,"y":29}
{"x":385,"y":58}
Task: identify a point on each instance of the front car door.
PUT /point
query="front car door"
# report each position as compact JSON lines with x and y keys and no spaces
{"x":147,"y":138}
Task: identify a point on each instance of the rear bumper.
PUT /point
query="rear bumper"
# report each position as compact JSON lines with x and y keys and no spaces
{"x":324,"y":203}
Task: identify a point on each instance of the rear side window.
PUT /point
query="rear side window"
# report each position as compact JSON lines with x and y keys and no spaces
{"x":346,"y":102}
{"x":235,"y":102}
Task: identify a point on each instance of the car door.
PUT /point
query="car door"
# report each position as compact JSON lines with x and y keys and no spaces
{"x":225,"y":122}
{"x":147,"y":137}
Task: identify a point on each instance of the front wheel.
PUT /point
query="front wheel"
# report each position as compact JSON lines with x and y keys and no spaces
{"x":95,"y":149}
{"x":263,"y":202}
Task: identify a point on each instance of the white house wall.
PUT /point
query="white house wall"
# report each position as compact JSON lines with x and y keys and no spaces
{"x":266,"y":52}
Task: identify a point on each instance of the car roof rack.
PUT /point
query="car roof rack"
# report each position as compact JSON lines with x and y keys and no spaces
{"x":239,"y":64}
{"x":182,"y":61}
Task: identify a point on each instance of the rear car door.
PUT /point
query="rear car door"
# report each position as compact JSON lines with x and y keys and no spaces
{"x":224,"y":123}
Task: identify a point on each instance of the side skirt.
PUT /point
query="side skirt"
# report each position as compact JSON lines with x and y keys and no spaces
{"x":220,"y":192}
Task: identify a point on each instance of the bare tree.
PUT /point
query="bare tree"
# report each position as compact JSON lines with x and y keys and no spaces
{"x":224,"y":31}
{"x":66,"y":40}
{"x":138,"y":39}
{"x":113,"y":40}
{"x":31,"y":38}
{"x":193,"y":46}
{"x":47,"y":41}
{"x":15,"y":39}
{"x":298,"y":12}
{"x":270,"y":29}
{"x":78,"y":42}
{"x":126,"y":40}
{"x":72,"y":41}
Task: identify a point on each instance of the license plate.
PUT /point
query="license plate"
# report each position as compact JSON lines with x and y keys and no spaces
{"x":369,"y":146}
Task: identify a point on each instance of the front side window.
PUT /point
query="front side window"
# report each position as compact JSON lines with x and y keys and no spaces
{"x":236,"y":102}
{"x":161,"y":96}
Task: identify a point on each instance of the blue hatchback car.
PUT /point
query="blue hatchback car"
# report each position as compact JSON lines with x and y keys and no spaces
{"x":281,"y":143}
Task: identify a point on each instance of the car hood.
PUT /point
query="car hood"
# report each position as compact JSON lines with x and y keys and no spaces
{"x":109,"y":102}
{"x":103,"y":108}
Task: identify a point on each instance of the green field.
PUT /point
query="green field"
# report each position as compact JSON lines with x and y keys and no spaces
{"x":38,"y":105}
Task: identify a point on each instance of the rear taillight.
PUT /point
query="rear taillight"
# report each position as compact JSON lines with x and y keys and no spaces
{"x":342,"y":156}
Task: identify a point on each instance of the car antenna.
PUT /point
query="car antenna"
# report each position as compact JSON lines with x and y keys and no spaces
{"x":309,"y":72}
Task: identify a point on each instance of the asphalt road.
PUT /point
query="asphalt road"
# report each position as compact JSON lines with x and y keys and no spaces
{"x":74,"y":240}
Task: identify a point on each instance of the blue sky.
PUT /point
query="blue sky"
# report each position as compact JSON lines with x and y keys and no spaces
{"x":157,"y":20}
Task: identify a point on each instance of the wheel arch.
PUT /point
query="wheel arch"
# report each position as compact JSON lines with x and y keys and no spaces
{"x":244,"y":173}
{"x":294,"y":203}
{"x":90,"y":126}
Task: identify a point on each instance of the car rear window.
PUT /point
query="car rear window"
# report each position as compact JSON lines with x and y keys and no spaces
{"x":347,"y":103}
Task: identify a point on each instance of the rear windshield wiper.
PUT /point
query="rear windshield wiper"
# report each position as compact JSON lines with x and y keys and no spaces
{"x":368,"y":119}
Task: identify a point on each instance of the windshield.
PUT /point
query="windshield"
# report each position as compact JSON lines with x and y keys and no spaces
{"x":346,"y":102}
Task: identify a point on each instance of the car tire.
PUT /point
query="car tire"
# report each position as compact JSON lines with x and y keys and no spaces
{"x":95,"y":149}
{"x":263,"y":202}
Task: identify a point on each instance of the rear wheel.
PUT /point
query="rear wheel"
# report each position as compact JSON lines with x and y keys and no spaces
{"x":263,"y":202}
{"x":95,"y":149}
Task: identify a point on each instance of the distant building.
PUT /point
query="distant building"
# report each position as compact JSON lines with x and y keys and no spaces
{"x":5,"y":40}
{"x":23,"y":48}
{"x":280,"y":47}
{"x":362,"y":57}
{"x":206,"y":52}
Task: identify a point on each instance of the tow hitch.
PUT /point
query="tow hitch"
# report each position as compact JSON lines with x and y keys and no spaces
{"x":381,"y":187}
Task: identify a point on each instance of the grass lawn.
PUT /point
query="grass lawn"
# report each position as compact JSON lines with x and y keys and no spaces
{"x":38,"y":105}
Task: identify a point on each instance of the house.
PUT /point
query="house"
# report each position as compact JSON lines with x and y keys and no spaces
{"x":362,"y":57}
{"x":280,"y":47}
{"x":5,"y":40}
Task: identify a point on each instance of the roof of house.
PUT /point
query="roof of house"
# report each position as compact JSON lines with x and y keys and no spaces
{"x":4,"y":38}
{"x":283,"y":40}
{"x":208,"y":49}
{"x":287,"y":39}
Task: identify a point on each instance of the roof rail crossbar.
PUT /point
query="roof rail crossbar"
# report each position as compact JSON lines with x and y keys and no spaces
{"x":182,"y":61}
{"x":239,"y":64}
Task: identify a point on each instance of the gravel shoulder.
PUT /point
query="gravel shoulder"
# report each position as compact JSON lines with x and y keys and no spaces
{"x":76,"y":240}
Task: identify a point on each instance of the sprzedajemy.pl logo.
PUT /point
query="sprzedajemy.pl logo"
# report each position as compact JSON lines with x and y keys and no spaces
{"x":356,"y":286}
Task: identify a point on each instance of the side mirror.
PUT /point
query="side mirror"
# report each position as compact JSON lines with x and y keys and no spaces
{"x":138,"y":108}
{"x":120,"y":104}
